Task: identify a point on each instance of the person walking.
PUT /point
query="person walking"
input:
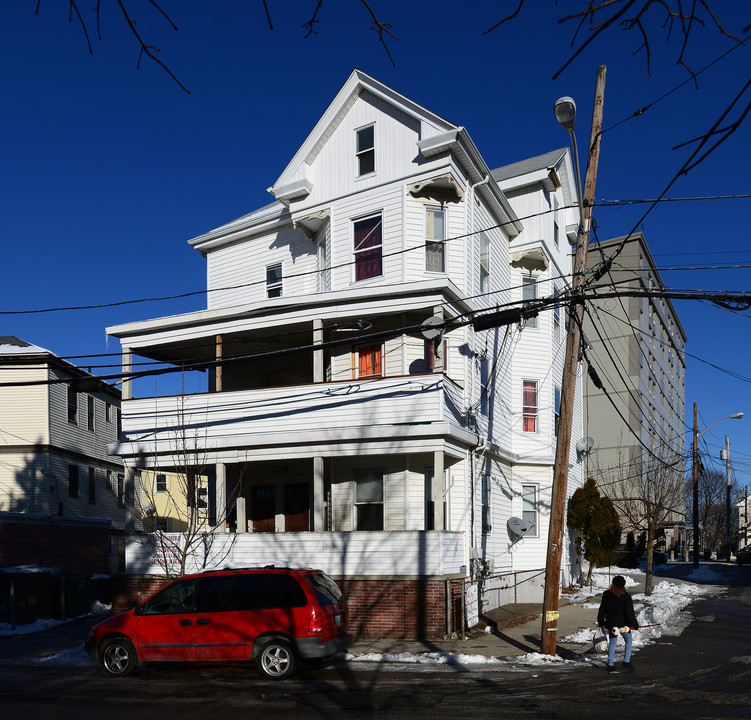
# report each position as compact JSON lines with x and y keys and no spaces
{"x":616,"y":614}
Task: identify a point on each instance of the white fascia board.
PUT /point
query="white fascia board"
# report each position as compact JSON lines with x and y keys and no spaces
{"x":289,"y":310}
{"x":253,"y":223}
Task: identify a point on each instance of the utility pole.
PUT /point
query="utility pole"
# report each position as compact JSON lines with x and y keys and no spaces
{"x":695,"y":483}
{"x":549,"y":630}
{"x":728,"y":513}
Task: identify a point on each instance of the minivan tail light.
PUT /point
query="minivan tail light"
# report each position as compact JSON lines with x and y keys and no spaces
{"x":317,"y":622}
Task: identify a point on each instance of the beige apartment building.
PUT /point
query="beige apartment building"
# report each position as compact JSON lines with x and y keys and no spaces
{"x":637,"y":345}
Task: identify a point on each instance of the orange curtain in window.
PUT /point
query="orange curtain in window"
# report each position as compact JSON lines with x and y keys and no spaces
{"x":368,"y":360}
{"x":529,"y":407}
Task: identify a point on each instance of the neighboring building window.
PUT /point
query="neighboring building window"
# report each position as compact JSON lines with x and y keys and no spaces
{"x":274,"y":280}
{"x":529,"y":406}
{"x":92,"y":486}
{"x":119,"y":417}
{"x":557,"y":411}
{"x":529,"y":293}
{"x":108,"y":479}
{"x":120,"y":490}
{"x":368,"y":246}
{"x":484,"y":385}
{"x":161,"y":524}
{"x":435,"y":235}
{"x":73,"y":481}
{"x":486,"y":525}
{"x":365,"y":150}
{"x":108,"y":412}
{"x":90,"y":412}
{"x":72,"y":405}
{"x":368,"y":499}
{"x":160,"y":483}
{"x":484,"y":263}
{"x":529,"y":507}
{"x":368,"y":361}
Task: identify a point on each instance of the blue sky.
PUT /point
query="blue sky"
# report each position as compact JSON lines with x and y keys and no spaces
{"x":109,"y":169}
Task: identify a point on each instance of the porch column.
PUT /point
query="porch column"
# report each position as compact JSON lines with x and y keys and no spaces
{"x":437,"y":488}
{"x":439,"y":362}
{"x":317,"y":354}
{"x":129,"y":499}
{"x":220,"y":496}
{"x":127,"y":387}
{"x":218,"y":367}
{"x":242,"y":515}
{"x":317,"y":510}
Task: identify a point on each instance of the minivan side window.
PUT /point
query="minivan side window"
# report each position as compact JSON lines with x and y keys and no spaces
{"x":175,"y":598}
{"x":326,"y":590}
{"x":256,"y":591}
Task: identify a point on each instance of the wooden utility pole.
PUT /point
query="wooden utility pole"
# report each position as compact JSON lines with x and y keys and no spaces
{"x":548,"y":634}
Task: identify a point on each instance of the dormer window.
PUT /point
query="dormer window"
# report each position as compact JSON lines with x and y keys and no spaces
{"x":365,"y":152}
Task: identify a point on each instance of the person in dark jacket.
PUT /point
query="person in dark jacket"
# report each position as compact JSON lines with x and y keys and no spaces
{"x":616,"y":612}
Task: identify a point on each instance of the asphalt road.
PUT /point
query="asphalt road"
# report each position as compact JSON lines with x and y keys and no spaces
{"x":703,"y":673}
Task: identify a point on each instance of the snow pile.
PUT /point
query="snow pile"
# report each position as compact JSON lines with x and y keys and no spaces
{"x":432,"y":658}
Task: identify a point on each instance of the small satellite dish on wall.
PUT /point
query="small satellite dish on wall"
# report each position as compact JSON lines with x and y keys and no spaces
{"x":517,"y":528}
{"x":432,"y":327}
{"x":583,"y":448}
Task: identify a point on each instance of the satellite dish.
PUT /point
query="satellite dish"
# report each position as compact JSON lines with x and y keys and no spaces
{"x":432,"y":327}
{"x":517,"y":528}
{"x":583,"y":448}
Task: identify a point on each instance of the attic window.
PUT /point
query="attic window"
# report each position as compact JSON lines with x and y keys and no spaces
{"x":365,"y":152}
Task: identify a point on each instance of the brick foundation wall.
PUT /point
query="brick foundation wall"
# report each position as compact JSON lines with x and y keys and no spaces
{"x":394,"y":609}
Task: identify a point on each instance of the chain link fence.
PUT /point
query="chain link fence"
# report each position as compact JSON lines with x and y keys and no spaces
{"x":509,"y":598}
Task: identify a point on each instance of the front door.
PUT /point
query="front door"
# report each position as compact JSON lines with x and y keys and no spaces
{"x":263,"y":508}
{"x":296,"y":508}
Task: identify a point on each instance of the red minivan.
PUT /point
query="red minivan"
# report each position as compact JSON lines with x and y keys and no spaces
{"x":272,"y":615}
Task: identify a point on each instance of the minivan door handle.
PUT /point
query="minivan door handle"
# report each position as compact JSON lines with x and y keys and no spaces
{"x":202,"y":621}
{"x":185,"y":623}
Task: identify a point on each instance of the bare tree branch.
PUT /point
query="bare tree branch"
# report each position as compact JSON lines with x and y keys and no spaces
{"x":310,"y":23}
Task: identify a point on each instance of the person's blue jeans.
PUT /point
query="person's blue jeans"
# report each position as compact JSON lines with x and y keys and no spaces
{"x":614,"y":641}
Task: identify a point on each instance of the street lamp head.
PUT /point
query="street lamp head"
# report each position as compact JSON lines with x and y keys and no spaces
{"x":565,"y":112}
{"x":736,"y":416}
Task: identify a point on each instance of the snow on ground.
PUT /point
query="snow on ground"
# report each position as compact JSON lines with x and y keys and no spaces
{"x":664,"y":608}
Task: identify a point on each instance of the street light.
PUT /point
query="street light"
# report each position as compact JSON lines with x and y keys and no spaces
{"x":695,"y":472}
{"x":565,"y":113}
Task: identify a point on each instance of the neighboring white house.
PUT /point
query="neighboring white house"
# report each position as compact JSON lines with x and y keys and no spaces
{"x":343,"y":433}
{"x":56,"y":421}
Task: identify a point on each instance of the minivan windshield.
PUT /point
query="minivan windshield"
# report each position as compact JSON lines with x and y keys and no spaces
{"x":326,"y":590}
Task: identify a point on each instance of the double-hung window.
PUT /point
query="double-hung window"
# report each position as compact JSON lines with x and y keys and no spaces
{"x":365,"y":150}
{"x":529,"y":294}
{"x":435,"y":235}
{"x":368,"y":247}
{"x":160,"y":483}
{"x":556,"y":227}
{"x":368,"y":361}
{"x":92,"y":486}
{"x":274,"y":280}
{"x":369,"y":499}
{"x":90,"y":410}
{"x":73,"y":481}
{"x":557,"y":411}
{"x":72,"y":405}
{"x":529,"y":405}
{"x":529,"y":508}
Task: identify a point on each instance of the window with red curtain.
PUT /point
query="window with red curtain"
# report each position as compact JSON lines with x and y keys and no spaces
{"x":368,"y":361}
{"x":529,"y":406}
{"x":367,"y":247}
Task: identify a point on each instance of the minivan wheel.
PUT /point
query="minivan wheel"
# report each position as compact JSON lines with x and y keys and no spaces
{"x":277,"y":659}
{"x":119,"y":656}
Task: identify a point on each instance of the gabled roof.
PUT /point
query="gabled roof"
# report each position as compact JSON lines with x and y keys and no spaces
{"x":11,"y":345}
{"x":530,"y":165}
{"x":356,"y":84}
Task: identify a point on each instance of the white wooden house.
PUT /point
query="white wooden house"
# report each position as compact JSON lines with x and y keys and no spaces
{"x":341,"y":437}
{"x":56,"y":422}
